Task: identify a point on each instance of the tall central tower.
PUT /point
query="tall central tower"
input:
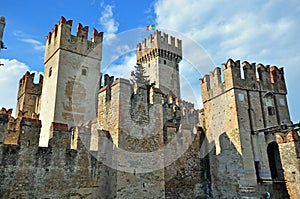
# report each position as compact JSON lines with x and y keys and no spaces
{"x":71,"y":77}
{"x":160,"y":56}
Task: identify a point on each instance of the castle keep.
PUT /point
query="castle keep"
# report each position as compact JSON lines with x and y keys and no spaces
{"x":76,"y":137}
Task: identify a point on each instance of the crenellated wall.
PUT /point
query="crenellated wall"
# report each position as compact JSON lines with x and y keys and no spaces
{"x":56,"y":171}
{"x":141,"y":119}
{"x":57,"y":148}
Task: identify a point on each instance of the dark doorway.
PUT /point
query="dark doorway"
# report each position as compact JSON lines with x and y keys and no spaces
{"x":275,"y":161}
{"x":257,"y":168}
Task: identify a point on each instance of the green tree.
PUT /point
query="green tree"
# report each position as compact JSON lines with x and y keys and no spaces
{"x":138,"y":75}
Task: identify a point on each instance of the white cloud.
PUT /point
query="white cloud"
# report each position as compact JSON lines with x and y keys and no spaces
{"x":124,"y":68}
{"x":108,"y":22}
{"x":37,"y":45}
{"x":10,"y":75}
{"x":256,"y":31}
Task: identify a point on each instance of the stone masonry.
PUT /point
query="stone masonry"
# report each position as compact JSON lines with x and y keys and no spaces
{"x":146,"y":141}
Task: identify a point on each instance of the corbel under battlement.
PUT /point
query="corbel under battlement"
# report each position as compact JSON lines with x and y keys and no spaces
{"x":159,"y":44}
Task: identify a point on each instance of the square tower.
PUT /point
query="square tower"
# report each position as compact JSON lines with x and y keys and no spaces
{"x":160,"y":56}
{"x":234,"y":111}
{"x":72,"y":74}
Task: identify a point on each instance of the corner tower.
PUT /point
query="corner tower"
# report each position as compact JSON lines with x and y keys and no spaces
{"x":71,"y":76}
{"x":238,"y":112}
{"x":160,"y":56}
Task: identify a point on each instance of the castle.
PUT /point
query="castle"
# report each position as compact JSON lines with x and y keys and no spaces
{"x":74,"y":137}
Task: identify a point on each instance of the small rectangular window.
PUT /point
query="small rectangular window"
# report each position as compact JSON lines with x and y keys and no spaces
{"x":83,"y":71}
{"x":271,"y":110}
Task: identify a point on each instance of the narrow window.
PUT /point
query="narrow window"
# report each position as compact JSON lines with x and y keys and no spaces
{"x":257,"y":168}
{"x":83,"y":71}
{"x":50,"y":71}
{"x":70,"y":101}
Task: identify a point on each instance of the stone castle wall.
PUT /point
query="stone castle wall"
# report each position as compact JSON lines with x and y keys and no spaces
{"x":30,"y":171}
{"x":146,"y":141}
{"x":290,"y":158}
{"x":135,"y":128}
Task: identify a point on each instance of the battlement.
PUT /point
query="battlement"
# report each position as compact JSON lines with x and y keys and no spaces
{"x":81,"y":32}
{"x":29,"y":132}
{"x":188,"y":105}
{"x":61,"y":38}
{"x":28,"y":79}
{"x":5,"y":111}
{"x":270,"y":79}
{"x":159,"y":44}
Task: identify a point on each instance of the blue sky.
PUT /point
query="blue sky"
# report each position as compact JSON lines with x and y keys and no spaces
{"x":212,"y":31}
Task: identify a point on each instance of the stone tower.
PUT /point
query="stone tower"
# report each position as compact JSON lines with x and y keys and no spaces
{"x":134,"y":116}
{"x":234,"y":112}
{"x":134,"y":137}
{"x":160,"y":56}
{"x":29,"y":95}
{"x":72,"y":73}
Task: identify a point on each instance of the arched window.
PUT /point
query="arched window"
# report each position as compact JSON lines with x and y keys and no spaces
{"x":269,"y":100}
